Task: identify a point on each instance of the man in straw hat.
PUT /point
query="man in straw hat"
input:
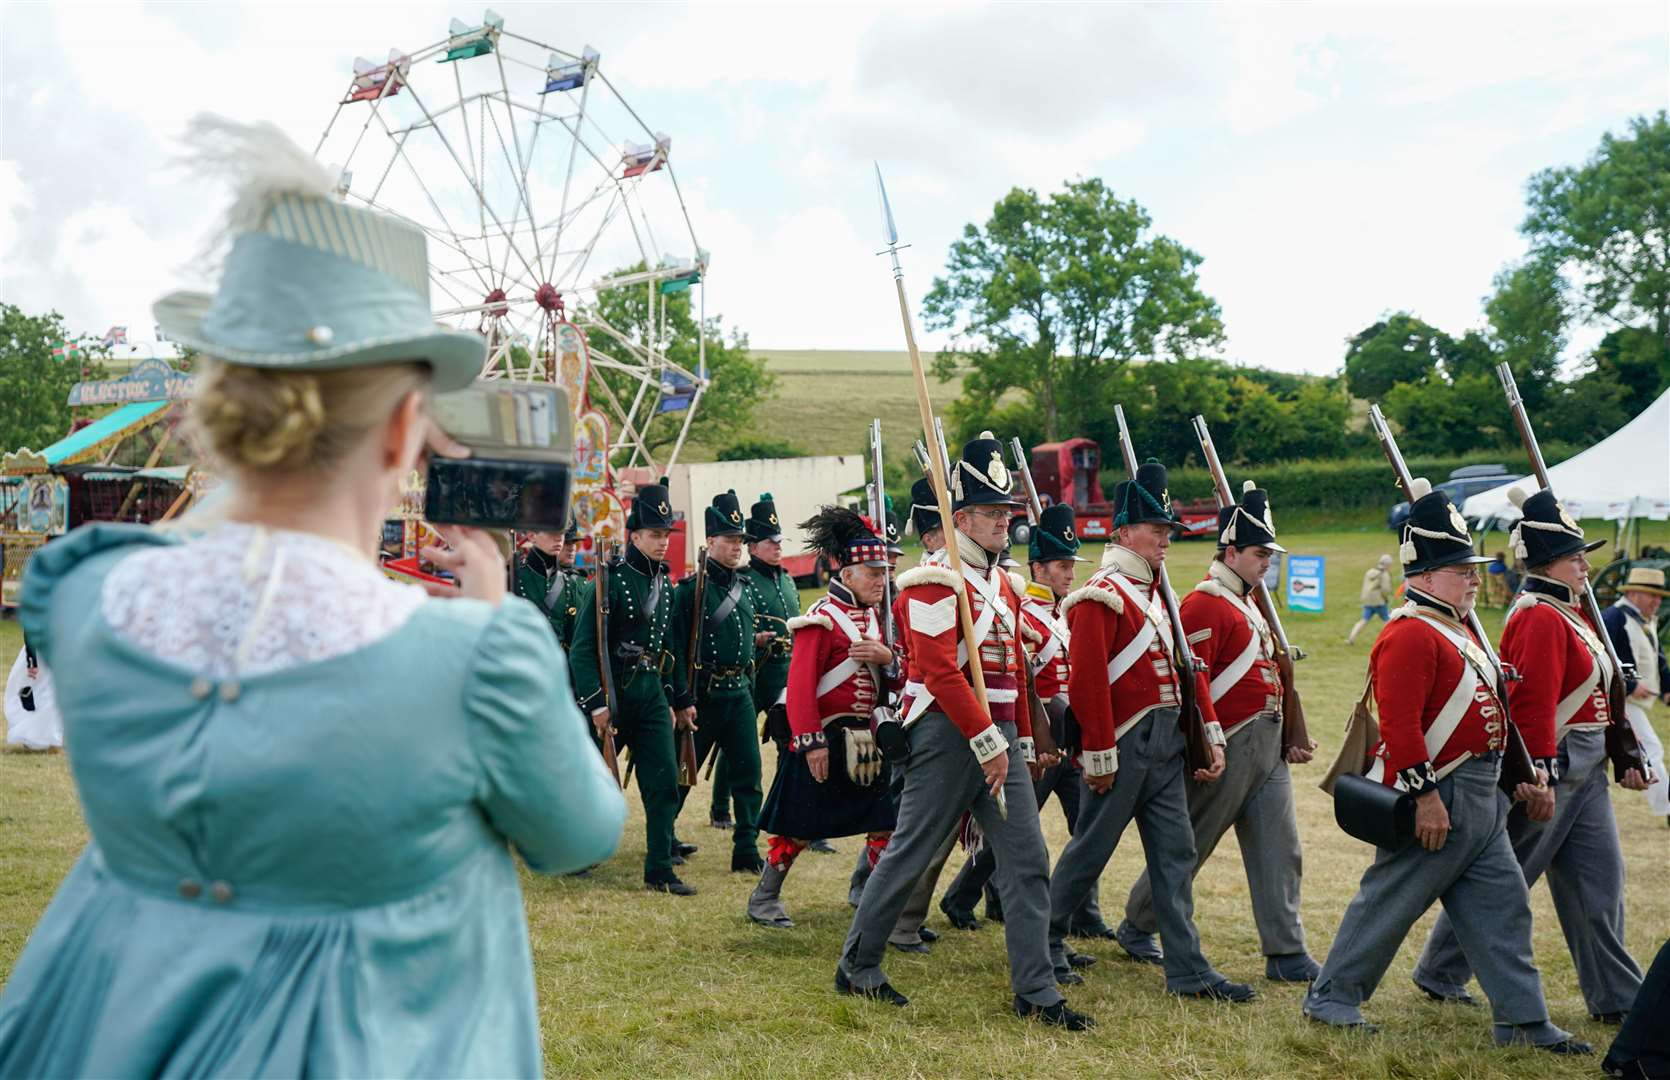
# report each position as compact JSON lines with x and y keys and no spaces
{"x":1440,"y":738}
{"x":1255,"y":794}
{"x":1632,"y":623}
{"x":961,"y":756}
{"x":1124,"y":688}
{"x":1559,"y":702}
{"x":640,"y":658}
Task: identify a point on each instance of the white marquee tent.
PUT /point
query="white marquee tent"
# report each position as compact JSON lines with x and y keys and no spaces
{"x":1624,"y":476}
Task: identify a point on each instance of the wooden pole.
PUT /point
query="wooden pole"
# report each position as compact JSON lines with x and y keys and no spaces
{"x":965,"y":614}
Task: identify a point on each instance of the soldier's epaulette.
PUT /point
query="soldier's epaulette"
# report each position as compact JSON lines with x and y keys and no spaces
{"x":1212,"y":588}
{"x":1030,"y":634}
{"x":1093,"y":591}
{"x":1018,"y":584}
{"x":811,"y":618}
{"x":930,"y":575}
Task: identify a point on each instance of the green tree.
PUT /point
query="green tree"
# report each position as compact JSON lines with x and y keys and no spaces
{"x":1608,"y":222}
{"x":1263,"y":424}
{"x":1585,"y":410}
{"x":1397,"y":349}
{"x":1528,"y":314}
{"x":1321,"y":411}
{"x":1471,"y":353}
{"x":1440,"y":415}
{"x":34,"y":387}
{"x":737,"y":381}
{"x":1053,"y":295}
{"x":1160,"y":400}
{"x":1639,"y":360}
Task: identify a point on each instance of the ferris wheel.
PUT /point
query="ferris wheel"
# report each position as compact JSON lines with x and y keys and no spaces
{"x":538,"y":186}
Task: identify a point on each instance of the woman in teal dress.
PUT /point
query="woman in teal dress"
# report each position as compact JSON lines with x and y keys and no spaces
{"x":302,"y":780}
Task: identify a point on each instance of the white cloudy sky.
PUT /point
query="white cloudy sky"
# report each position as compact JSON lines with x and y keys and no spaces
{"x":1330,"y":161}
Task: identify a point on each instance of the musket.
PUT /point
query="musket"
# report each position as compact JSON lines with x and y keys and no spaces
{"x":1196,"y":749}
{"x":1043,"y":739}
{"x":944,"y":455}
{"x":605,"y":670}
{"x":878,"y":514}
{"x":1621,"y":744}
{"x":1293,"y":730}
{"x":688,"y":769}
{"x":933,"y":434}
{"x":1517,"y":766}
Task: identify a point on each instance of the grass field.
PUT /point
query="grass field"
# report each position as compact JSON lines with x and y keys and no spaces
{"x":634,"y":984}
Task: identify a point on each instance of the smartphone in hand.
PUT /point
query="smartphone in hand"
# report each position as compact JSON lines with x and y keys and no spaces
{"x":519,"y":471}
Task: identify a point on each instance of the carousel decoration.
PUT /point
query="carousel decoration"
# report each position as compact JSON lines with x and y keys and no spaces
{"x":536,"y":183}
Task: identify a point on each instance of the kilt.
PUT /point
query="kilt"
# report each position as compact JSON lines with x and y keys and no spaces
{"x":800,"y":807}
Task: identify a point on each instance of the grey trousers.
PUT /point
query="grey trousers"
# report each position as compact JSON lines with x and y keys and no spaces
{"x":1148,"y":788}
{"x":1063,"y":781}
{"x":1255,"y":795}
{"x":907,"y":930}
{"x":1579,"y":852}
{"x":1476,"y":878}
{"x":941,"y":780}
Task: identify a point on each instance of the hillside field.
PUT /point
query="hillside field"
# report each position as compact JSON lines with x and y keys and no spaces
{"x":825,"y":399}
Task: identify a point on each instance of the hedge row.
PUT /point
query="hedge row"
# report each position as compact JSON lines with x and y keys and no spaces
{"x":1343,"y":484}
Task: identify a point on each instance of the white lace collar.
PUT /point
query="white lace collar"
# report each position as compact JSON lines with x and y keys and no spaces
{"x":245,"y":600}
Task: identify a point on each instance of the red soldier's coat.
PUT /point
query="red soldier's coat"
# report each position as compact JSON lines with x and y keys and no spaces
{"x":1414,"y":670}
{"x":1229,"y":634}
{"x":820,"y":645}
{"x":1552,"y":662}
{"x":1051,"y":679}
{"x":933,"y":656}
{"x":1102,"y":620}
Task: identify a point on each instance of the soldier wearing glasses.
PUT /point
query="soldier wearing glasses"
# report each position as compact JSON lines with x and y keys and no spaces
{"x":1441,"y":735}
{"x":1559,"y":703}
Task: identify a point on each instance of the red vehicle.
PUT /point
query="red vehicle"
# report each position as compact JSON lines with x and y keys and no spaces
{"x":1070,"y":472}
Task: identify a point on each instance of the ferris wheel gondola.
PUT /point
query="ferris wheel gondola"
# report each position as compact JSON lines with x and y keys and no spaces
{"x":538,"y":186}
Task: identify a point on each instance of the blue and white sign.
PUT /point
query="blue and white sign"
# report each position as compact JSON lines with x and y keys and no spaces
{"x":1304,"y":582}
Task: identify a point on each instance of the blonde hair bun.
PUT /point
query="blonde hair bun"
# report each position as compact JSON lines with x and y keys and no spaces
{"x":269,"y":420}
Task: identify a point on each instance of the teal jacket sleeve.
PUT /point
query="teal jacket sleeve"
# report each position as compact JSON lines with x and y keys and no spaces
{"x":543,"y":784}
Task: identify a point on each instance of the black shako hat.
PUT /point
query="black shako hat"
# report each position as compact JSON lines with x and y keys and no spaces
{"x":1145,"y":500}
{"x":1054,"y":536}
{"x":924,"y":507}
{"x":651,"y":508}
{"x":762,"y":521}
{"x":1249,"y":524}
{"x":724,"y":517}
{"x":1546,"y":532}
{"x":1436,"y":534}
{"x":981,"y":478}
{"x":892,"y":534}
{"x":571,"y":531}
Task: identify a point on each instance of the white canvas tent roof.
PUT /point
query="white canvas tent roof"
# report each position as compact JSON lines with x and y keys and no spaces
{"x":1625,"y":475}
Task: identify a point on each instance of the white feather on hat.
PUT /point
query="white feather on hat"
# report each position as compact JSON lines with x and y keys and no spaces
{"x":258,"y":161}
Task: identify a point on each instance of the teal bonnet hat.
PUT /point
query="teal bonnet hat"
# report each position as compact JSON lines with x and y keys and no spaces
{"x":308,"y":282}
